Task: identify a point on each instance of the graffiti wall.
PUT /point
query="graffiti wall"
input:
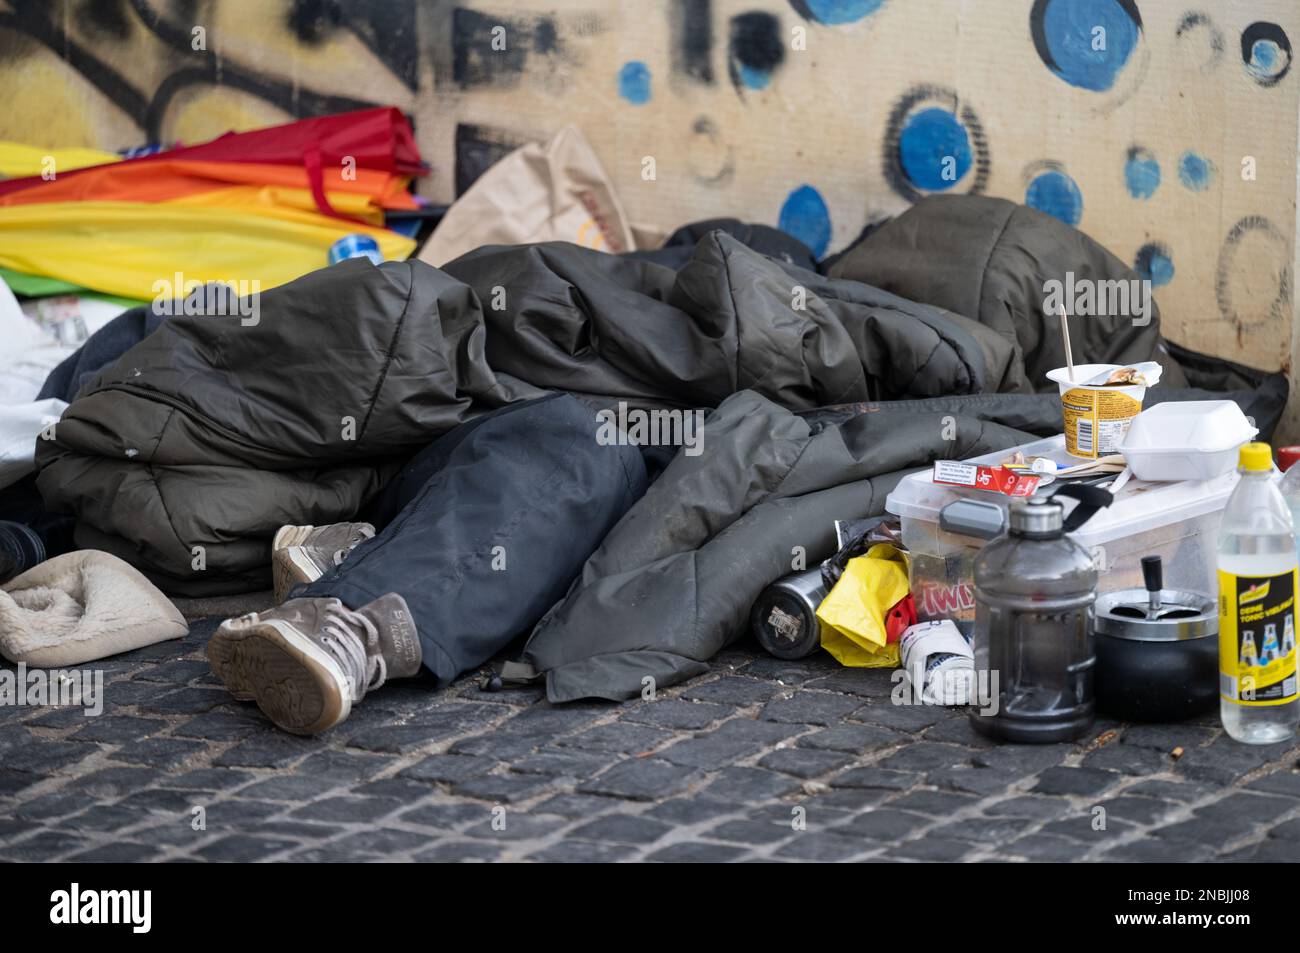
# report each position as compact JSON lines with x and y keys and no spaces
{"x":1167,"y":129}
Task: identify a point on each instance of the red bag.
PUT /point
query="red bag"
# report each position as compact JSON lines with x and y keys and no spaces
{"x":378,"y":138}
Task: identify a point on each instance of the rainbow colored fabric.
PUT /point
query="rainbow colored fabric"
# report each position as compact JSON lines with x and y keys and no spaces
{"x":262,"y":206}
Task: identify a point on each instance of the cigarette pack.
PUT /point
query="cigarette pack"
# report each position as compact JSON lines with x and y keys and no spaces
{"x":981,"y":477}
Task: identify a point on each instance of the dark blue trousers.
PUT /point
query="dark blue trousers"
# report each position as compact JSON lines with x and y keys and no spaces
{"x":488,"y":527}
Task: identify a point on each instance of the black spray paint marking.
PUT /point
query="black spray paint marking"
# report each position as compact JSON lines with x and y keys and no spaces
{"x":477,"y":149}
{"x":923,"y":95}
{"x":755,"y":50}
{"x":801,"y":8}
{"x":386,"y":27}
{"x":297,"y":102}
{"x":1280,"y":307}
{"x":476,"y":63}
{"x":1038,"y":167}
{"x":312,"y":21}
{"x":1201,"y":22}
{"x":31,"y":18}
{"x":712,"y":161}
{"x":191,"y":68}
{"x":692,"y":49}
{"x":1268,"y":33}
{"x":208,"y":70}
{"x":111,"y":18}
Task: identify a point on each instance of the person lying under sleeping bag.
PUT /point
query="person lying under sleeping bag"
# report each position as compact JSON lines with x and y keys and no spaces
{"x":448,"y":586}
{"x":524,"y":515}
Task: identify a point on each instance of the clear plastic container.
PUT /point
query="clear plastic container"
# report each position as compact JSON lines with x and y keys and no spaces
{"x":1179,"y":522}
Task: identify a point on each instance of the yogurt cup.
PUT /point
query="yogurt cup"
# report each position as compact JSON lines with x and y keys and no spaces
{"x":1097,"y":416}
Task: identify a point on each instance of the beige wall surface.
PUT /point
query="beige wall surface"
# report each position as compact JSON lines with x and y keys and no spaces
{"x":1167,"y":129}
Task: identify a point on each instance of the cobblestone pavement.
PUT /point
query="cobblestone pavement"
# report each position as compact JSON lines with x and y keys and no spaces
{"x":759,"y":760}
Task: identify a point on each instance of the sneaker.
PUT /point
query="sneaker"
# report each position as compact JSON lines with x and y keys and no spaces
{"x":305,"y":553}
{"x":307,"y":662}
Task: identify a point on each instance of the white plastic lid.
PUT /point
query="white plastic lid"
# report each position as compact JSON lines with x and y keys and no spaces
{"x":1192,"y":426}
{"x":1140,"y":507}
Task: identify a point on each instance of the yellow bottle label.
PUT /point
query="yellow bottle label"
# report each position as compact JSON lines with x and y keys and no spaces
{"x":1096,"y":420}
{"x":1257,"y":638}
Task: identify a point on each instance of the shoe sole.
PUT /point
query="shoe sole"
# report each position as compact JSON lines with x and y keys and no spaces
{"x":283,"y":577}
{"x":295,"y":684}
{"x":289,"y":567}
{"x":290,"y":535}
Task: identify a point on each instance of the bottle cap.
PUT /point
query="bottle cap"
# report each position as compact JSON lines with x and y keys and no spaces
{"x":356,"y":245}
{"x":1287,"y":456}
{"x":1036,"y":517}
{"x":1255,"y":456}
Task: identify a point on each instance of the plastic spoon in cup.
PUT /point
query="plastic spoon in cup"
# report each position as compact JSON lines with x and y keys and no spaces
{"x":1065,"y":337}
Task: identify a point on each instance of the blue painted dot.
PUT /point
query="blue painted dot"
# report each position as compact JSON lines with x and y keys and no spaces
{"x":1266,"y":51}
{"x":754,"y":78}
{"x":1056,"y":193}
{"x":1154,"y":263}
{"x":1263,"y":54}
{"x":835,"y":12}
{"x":1265,"y":57}
{"x":934,"y":149}
{"x":1195,"y":171}
{"x":634,"y":82}
{"x":805,"y":216}
{"x":1141,"y":173}
{"x":1085,"y":42}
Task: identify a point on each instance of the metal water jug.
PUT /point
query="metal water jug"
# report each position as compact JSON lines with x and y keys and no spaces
{"x":1034,"y":588}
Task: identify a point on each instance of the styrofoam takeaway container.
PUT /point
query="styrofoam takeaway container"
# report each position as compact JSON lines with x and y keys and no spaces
{"x":1186,"y":440}
{"x":1177,"y":521}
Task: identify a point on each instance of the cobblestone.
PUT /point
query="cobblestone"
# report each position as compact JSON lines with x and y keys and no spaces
{"x":758,"y":760}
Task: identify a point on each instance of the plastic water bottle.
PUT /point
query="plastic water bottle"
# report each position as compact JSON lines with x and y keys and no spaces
{"x":1257,"y":593}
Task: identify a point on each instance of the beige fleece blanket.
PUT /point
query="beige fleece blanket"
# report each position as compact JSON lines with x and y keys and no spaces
{"x":82,"y":606}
